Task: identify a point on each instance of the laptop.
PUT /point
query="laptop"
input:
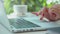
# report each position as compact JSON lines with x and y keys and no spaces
{"x":16,"y":24}
{"x":23,"y":24}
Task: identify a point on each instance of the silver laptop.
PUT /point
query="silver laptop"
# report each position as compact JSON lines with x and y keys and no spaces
{"x":16,"y":24}
{"x":24,"y":24}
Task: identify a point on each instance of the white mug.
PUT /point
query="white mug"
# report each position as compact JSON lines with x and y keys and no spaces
{"x":20,"y":10}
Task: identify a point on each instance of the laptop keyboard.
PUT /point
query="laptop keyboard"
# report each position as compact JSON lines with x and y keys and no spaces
{"x":21,"y":23}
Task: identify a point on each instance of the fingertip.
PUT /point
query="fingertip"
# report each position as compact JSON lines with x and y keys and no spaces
{"x":36,"y":13}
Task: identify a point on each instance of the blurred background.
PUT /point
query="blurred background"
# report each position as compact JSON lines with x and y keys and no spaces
{"x":33,"y":5}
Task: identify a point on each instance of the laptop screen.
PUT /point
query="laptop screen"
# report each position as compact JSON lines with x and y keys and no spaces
{"x":3,"y":17}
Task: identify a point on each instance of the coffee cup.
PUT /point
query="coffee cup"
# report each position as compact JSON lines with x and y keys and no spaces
{"x":20,"y":10}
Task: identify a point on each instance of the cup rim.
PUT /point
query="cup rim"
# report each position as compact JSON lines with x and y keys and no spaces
{"x":19,"y":5}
